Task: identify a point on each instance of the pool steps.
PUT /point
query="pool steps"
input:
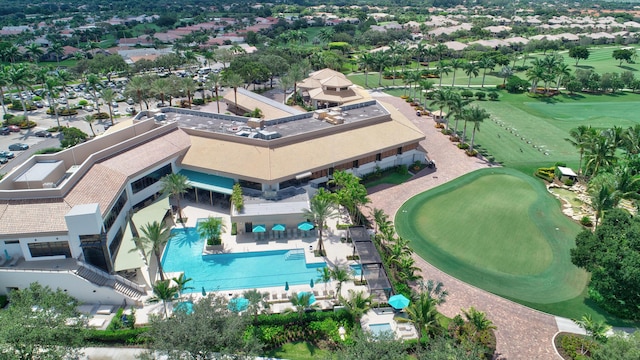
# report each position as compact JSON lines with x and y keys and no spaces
{"x":295,"y":254}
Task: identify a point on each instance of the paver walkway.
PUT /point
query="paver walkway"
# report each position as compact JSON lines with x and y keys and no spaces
{"x":522,"y":333}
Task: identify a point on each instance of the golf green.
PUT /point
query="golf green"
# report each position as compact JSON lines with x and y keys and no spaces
{"x":499,"y":230}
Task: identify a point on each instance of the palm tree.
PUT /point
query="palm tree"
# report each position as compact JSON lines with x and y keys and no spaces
{"x":595,"y":329}
{"x":92,"y":83}
{"x":181,"y":284}
{"x":258,"y":301}
{"x":536,"y":73}
{"x":441,"y":98}
{"x":64,"y":77}
{"x":20,"y":77}
{"x":471,"y":68}
{"x":155,"y":237}
{"x":603,"y":195}
{"x":302,"y":302}
{"x":600,"y":153}
{"x":455,"y":65}
{"x":476,"y":115}
{"x":34,"y":51}
{"x":381,"y":59}
{"x":321,"y":208}
{"x":11,"y":53}
{"x":189,"y":86}
{"x":486,"y":63}
{"x":285,"y":83}
{"x":341,"y":275}
{"x":90,"y":119}
{"x":505,"y":73}
{"x":4,"y":81}
{"x":425,"y":87}
{"x":138,"y":87}
{"x":175,"y":185}
{"x":160,"y":87}
{"x":581,"y":137}
{"x":479,"y":320}
{"x":456,"y":107}
{"x":58,"y":50}
{"x":211,"y":229}
{"x":164,"y":292}
{"x":357,"y":304}
{"x":423,"y":313}
{"x":296,"y":73}
{"x":50,"y":88}
{"x":234,"y":81}
{"x":381,"y":219}
{"x":108,"y":96}
{"x":561,"y":71}
{"x":213,"y":82}
{"x":365,"y":61}
{"x":443,"y":69}
{"x":440,"y":50}
{"x":631,"y":139}
{"x":324,"y":276}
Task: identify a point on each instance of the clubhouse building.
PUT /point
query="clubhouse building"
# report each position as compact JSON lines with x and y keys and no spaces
{"x":68,"y":220}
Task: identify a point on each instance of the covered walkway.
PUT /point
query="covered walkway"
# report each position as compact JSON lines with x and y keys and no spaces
{"x":371,"y":263}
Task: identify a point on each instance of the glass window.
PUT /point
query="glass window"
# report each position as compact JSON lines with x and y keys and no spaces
{"x":150,"y":179}
{"x":112,"y":215}
{"x":9,"y":242}
{"x":52,"y":248}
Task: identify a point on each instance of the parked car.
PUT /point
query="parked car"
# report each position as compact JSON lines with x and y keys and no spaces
{"x":88,"y":108}
{"x":18,"y":147}
{"x":3,"y":160}
{"x":43,"y":133}
{"x":7,"y":154}
{"x":116,"y":112}
{"x":130,"y":101}
{"x":130,"y":110}
{"x":14,"y":128}
{"x":5,"y":131}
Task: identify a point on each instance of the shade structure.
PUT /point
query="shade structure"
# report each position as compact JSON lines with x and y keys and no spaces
{"x":204,"y":293}
{"x":311,"y":283}
{"x":184,"y":306}
{"x":305,"y":226}
{"x":286,"y":286}
{"x":259,"y":228}
{"x":399,"y":301}
{"x":279,"y":227}
{"x":238,"y":304}
{"x":312,"y":298}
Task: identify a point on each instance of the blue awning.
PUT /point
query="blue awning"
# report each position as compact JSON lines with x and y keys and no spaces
{"x":215,"y":183}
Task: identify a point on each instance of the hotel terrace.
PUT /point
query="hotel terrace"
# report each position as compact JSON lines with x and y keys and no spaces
{"x":68,"y":219}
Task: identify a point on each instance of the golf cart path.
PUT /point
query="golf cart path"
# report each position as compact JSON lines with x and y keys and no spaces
{"x":523,"y":333}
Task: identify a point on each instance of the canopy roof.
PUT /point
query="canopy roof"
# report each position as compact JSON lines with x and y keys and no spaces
{"x":215,"y":183}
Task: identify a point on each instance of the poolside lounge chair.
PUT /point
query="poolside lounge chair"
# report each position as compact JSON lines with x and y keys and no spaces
{"x":274,"y":296}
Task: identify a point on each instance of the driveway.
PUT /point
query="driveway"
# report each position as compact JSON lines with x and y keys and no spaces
{"x":523,"y":333}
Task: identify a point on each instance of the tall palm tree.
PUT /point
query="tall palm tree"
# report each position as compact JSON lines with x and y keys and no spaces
{"x":603,"y":194}
{"x":357,"y":304}
{"x":175,"y":185}
{"x":34,"y":51}
{"x":365,"y":61}
{"x":505,"y":73}
{"x":340,"y":274}
{"x":324,"y":276}
{"x":213,"y":82}
{"x":189,"y":87}
{"x":562,"y":71}
{"x":381,"y":59}
{"x":4,"y":81}
{"x":64,"y":77}
{"x":285,"y":83}
{"x":423,"y":313}
{"x":11,"y":53}
{"x":20,"y":77}
{"x":138,"y":87}
{"x":58,"y":50}
{"x":50,"y":89}
{"x":600,"y":153}
{"x":475,"y":115}
{"x":580,"y":138}
{"x":440,"y":50}
{"x":89,"y":119}
{"x":234,"y":81}
{"x":108,"y":96}
{"x":160,"y":87}
{"x":441,"y":98}
{"x":486,"y":63}
{"x":181,"y":284}
{"x":93,"y":82}
{"x":471,"y":69}
{"x":154,"y":237}
{"x":631,"y":139}
{"x":456,"y":107}
{"x":536,"y":73}
{"x":321,"y":208}
{"x":381,"y":219}
{"x":425,"y":87}
{"x":163,"y":291}
{"x":443,"y":69}
{"x":455,"y":65}
{"x":297,"y":73}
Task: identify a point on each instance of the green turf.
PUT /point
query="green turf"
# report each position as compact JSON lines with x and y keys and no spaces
{"x":393,"y":178}
{"x":298,"y":351}
{"x":499,"y":230}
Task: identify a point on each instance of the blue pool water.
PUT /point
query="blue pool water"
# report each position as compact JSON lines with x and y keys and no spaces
{"x":378,"y":329}
{"x":234,"y":270}
{"x":356,"y":269}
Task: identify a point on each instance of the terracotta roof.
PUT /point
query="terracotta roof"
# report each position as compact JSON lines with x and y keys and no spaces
{"x":339,"y":97}
{"x":33,"y":216}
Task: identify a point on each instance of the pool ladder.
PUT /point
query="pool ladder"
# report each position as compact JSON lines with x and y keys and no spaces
{"x":294,"y":254}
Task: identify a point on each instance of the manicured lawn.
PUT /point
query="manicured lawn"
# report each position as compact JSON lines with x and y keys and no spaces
{"x":298,"y":351}
{"x":393,"y":178}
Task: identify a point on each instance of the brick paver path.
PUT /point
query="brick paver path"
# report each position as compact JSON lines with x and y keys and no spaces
{"x":522,"y":333}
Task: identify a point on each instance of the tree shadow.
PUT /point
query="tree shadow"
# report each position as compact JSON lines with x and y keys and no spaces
{"x":586,"y":67}
{"x":574,"y":96}
{"x":625,"y":67}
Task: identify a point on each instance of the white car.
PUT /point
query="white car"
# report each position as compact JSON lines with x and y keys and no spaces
{"x":116,"y":112}
{"x":130,"y":110}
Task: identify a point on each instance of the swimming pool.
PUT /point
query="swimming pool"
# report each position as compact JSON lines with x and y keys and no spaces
{"x":235,"y":270}
{"x":378,"y":329}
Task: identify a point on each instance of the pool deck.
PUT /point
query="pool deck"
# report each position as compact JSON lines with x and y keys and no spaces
{"x":337,"y":253}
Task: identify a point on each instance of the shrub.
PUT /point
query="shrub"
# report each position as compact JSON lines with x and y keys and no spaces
{"x":586,"y":221}
{"x":568,"y":182}
{"x":123,"y":336}
{"x":480,"y":95}
{"x":198,"y":101}
{"x":83,"y":102}
{"x":471,"y":153}
{"x":63,"y":112}
{"x":8,"y":116}
{"x":17,"y":105}
{"x":49,"y":150}
{"x":121,"y":321}
{"x":491,"y":159}
{"x":516,"y":85}
{"x":101,"y":116}
{"x":572,"y":346}
{"x":466,"y":94}
{"x":55,"y":128}
{"x":402,"y":169}
{"x":234,"y":228}
{"x":493,"y":96}
{"x":3,"y":301}
{"x":447,"y":131}
{"x":463,"y":146}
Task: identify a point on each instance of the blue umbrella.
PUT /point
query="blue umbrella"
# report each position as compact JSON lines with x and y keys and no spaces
{"x":259,"y":228}
{"x":305,"y":226}
{"x":312,"y":298}
{"x":238,"y":304}
{"x":286,"y":286}
{"x":399,"y":301}
{"x":185,"y":306}
{"x":279,"y":227}
{"x":204,"y":293}
{"x":311,"y":283}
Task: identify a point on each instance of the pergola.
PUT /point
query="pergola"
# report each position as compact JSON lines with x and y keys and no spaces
{"x":370,"y":262}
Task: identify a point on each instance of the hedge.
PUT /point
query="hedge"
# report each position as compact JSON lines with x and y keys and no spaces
{"x":123,"y":336}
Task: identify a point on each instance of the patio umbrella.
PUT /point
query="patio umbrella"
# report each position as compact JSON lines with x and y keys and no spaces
{"x":311,"y":283}
{"x":238,"y":304}
{"x":204,"y":293}
{"x":184,"y":306}
{"x":286,"y":286}
{"x":279,"y":227}
{"x":305,"y":226}
{"x":312,"y":297}
{"x":399,"y":301}
{"x":259,"y":228}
